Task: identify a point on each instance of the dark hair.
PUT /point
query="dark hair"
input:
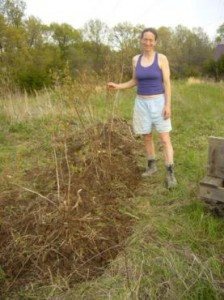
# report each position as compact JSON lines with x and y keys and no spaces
{"x":150,"y":29}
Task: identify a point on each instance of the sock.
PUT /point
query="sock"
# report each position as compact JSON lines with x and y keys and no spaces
{"x":170,"y":167}
{"x":150,"y":157}
{"x":151,"y":162}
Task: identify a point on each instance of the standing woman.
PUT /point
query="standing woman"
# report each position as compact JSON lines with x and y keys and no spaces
{"x":151,"y":75}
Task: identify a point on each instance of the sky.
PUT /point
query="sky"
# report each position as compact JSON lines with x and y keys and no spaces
{"x":207,"y":14}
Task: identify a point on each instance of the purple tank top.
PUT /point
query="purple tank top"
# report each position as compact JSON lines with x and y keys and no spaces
{"x":149,"y":79}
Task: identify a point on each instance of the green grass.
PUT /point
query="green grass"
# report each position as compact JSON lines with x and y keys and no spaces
{"x":176,"y":250}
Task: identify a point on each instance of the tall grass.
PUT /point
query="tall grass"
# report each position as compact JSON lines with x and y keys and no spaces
{"x":176,"y":249}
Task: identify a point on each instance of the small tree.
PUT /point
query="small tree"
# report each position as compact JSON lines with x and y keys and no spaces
{"x":220,"y":33}
{"x":13,"y":11}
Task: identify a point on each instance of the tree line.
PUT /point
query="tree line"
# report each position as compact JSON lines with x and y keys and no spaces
{"x":31,"y":53}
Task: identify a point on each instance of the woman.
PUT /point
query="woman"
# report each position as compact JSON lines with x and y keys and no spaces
{"x":151,"y":75}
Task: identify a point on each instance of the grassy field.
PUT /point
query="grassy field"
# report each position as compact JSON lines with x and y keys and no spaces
{"x":168,"y":244}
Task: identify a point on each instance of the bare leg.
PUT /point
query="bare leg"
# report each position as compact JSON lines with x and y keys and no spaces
{"x":167,"y":147}
{"x":150,"y":152}
{"x":168,"y":157}
{"x":149,"y":146}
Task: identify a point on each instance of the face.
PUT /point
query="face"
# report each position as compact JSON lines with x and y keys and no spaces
{"x":148,"y":41}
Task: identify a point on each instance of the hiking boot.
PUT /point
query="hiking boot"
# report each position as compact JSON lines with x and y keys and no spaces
{"x":171,"y":180}
{"x":152,"y":168}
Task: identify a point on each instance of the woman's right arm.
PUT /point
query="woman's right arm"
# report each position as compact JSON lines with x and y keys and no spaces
{"x":128,"y":84}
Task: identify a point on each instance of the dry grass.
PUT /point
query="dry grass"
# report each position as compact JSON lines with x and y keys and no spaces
{"x":193,"y":80}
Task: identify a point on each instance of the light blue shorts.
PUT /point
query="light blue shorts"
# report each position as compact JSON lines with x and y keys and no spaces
{"x":148,"y":113}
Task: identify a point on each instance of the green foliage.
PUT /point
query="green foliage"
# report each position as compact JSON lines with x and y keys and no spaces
{"x":34,"y":32}
{"x":13,"y":10}
{"x":65,"y":36}
{"x":220,"y":67}
{"x":187,"y":50}
{"x":30,"y":50}
{"x":33,"y":79}
{"x":220,"y":33}
{"x":215,"y":69}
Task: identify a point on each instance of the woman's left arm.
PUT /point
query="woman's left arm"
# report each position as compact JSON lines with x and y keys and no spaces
{"x":164,"y":65}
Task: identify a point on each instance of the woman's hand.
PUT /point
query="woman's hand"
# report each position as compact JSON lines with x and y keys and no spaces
{"x":166,"y":112}
{"x":112,"y":85}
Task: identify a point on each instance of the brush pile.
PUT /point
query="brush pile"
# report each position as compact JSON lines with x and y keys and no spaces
{"x":73,"y":218}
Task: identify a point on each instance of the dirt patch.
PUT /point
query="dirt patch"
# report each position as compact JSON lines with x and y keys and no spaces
{"x":73,"y":220}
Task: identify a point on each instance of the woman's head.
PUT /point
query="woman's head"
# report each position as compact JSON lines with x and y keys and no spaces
{"x":149,"y":39}
{"x":149,"y":29}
